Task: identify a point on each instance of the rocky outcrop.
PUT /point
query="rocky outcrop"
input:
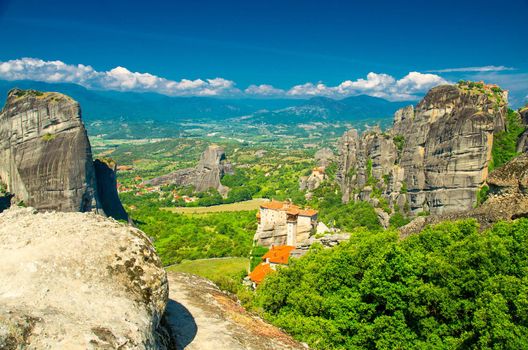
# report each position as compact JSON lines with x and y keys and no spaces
{"x":434,"y":159}
{"x":212,"y":166}
{"x":45,"y":155}
{"x":46,"y":158}
{"x":508,"y":199}
{"x":105,"y":175}
{"x":324,"y":157}
{"x":522,"y":144}
{"x":313,"y":181}
{"x":205,"y":318}
{"x":78,"y":281}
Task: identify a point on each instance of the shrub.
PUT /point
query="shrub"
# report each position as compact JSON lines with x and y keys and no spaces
{"x":48,"y":137}
{"x":482,"y":195}
{"x":505,"y":142}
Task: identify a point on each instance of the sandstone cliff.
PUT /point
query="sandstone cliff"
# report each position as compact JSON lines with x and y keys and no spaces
{"x":46,"y":158}
{"x":434,"y":159}
{"x":78,"y":281}
{"x":522,"y":144}
{"x":206,"y":175}
{"x":508,"y":199}
{"x":45,"y":155}
{"x":105,"y":175}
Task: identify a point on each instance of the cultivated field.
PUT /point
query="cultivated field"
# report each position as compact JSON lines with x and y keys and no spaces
{"x":212,"y":269}
{"x":252,"y":204}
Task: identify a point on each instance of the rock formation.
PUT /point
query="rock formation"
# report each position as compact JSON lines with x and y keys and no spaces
{"x":324,"y":157}
{"x":78,"y":281}
{"x":105,"y":176}
{"x":508,"y":199}
{"x":522,"y":144}
{"x":314,"y":180}
{"x":434,"y":159}
{"x":46,"y":158}
{"x":212,"y":166}
{"x":45,"y":155}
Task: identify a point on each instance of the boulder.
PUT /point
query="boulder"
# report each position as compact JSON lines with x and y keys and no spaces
{"x":78,"y":281}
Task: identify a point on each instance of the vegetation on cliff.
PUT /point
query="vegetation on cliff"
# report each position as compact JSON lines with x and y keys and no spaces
{"x":505,"y":142}
{"x":449,"y":287}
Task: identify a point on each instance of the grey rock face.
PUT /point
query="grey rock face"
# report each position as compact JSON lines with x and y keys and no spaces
{"x":522,"y":144}
{"x":79,"y":281}
{"x":508,"y":200}
{"x":212,"y":166}
{"x":45,"y":155}
{"x":435,"y":158}
{"x":324,"y":157}
{"x":105,"y":175}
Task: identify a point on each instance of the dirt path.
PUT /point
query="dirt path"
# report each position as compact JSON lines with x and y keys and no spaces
{"x":204,"y":318}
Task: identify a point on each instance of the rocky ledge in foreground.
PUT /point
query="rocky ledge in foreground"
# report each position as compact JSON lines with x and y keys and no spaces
{"x":204,"y":318}
{"x":78,"y":281}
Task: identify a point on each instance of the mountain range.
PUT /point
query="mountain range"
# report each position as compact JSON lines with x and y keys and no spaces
{"x":136,"y":107}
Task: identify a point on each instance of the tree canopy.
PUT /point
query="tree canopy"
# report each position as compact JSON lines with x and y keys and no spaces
{"x":450,"y":287}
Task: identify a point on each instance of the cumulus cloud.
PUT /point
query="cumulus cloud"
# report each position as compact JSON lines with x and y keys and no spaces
{"x":409,"y":87}
{"x":118,"y":78}
{"x":473,"y":69}
{"x":378,"y":85}
{"x":264,"y":90}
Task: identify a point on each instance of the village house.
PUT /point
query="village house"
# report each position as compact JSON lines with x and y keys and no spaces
{"x":283,"y":223}
{"x":276,"y":256}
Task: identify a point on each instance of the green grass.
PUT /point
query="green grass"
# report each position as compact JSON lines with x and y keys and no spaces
{"x":252,"y":204}
{"x":226,"y":273}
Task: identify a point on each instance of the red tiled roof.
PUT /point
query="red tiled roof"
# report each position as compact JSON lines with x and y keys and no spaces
{"x":259,"y":272}
{"x":275,"y":205}
{"x":279,"y":254}
{"x":289,"y":208}
{"x":308,"y":212}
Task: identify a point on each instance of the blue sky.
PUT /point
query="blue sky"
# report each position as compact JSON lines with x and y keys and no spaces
{"x":277,"y":48}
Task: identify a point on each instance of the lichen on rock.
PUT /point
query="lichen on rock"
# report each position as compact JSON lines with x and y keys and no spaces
{"x":78,"y":280}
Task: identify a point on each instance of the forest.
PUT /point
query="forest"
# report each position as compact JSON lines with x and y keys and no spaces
{"x":451,"y":287}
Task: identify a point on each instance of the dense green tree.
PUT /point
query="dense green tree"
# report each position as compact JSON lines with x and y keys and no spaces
{"x":505,"y":142}
{"x":450,"y":287}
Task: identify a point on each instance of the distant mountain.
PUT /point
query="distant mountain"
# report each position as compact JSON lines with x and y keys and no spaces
{"x":352,"y":108}
{"x":137,"y":107}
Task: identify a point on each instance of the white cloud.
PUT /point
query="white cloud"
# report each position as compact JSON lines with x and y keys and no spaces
{"x":264,"y":90}
{"x":118,"y":78}
{"x":378,"y":85}
{"x":410,"y":87}
{"x":473,"y":69}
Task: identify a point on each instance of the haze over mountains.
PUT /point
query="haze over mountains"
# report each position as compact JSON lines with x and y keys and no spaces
{"x":132,"y":106}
